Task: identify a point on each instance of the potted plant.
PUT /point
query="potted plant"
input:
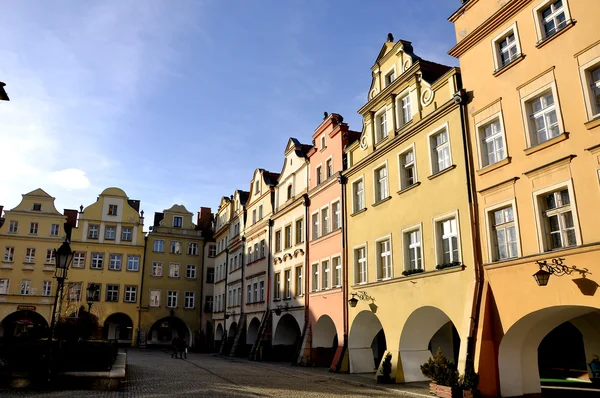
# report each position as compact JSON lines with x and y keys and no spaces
{"x":443,"y":375}
{"x":469,"y":382}
{"x":409,"y":272}
{"x":449,"y":265}
{"x":386,"y":370}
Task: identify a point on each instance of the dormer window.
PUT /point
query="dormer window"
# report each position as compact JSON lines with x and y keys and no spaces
{"x":390,"y":77}
{"x":289,"y":192}
{"x":37,"y":207}
{"x":381,"y":128}
{"x":256,"y":187}
{"x":177,"y":222}
{"x":323,"y":146}
{"x":112,"y":210}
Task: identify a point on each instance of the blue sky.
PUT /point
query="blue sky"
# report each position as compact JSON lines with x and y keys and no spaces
{"x":179,"y":101}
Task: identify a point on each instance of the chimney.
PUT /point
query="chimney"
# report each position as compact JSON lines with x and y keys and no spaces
{"x":158,"y":217}
{"x":135,"y":204}
{"x":205,"y":218}
{"x":71,"y":217}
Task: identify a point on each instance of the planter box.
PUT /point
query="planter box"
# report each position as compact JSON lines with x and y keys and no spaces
{"x":445,"y":392}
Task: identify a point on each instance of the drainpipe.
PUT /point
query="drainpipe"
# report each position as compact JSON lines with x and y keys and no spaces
{"x":342,"y":181}
{"x":202,"y":284}
{"x":225,"y":296}
{"x":474,"y":221}
{"x":306,"y":202}
{"x":142,"y":290}
{"x":269,"y":261}
{"x":243,"y":239}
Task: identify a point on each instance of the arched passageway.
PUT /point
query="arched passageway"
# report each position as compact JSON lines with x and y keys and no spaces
{"x":23,"y":324}
{"x":526,"y":347}
{"x":118,"y":327}
{"x":166,"y":329}
{"x":426,"y":330}
{"x":218,"y":336}
{"x":324,"y":341}
{"x":286,"y":338}
{"x":252,"y":333}
{"x":366,"y":343}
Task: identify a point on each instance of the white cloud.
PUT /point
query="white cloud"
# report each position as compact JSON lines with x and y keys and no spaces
{"x":70,"y":179}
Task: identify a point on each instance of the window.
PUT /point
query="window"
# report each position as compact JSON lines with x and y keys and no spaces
{"x":299,"y":283}
{"x":381,"y":187}
{"x":156,"y":268}
{"x":315,"y":225}
{"x":384,"y":259}
{"x":173,"y":270}
{"x":337,"y":271}
{"x":412,"y":248}
{"x":79,"y":260}
{"x":112,"y":292}
{"x":126,"y":234}
{"x":543,"y":119}
{"x":256,"y":187}
{"x":9,"y":253}
{"x":390,"y":77}
{"x":358,"y":191}
{"x":558,"y":220}
{"x":208,"y":304}
{"x":440,"y":151}
{"x":288,"y":283}
{"x":249,"y":294}
{"x":97,"y":261}
{"x":492,"y":143}
{"x":262,"y":291}
{"x":289,"y":192}
{"x":326,"y":279}
{"x":46,"y":288}
{"x":408,"y":174}
{"x":315,"y":277}
{"x":115,"y":262}
{"x":154,"y":298}
{"x":25,"y":287}
{"x":175,"y":247}
{"x":30,"y":255}
{"x":110,"y":233}
{"x":299,"y":231}
{"x":254,"y":216}
{"x":288,"y":236}
{"x":552,"y":17}
{"x":210,"y":275}
{"x":277,"y":289}
{"x":381,"y":129}
{"x":192,"y":249}
{"x":448,"y":239}
{"x":360,"y":265}
{"x":504,"y":234}
{"x":263,"y":249}
{"x":329,"y":167}
{"x":325,"y":221}
{"x":278,"y":241}
{"x":112,"y":210}
{"x":212,"y":251}
{"x":33,"y":228}
{"x":37,"y":207}
{"x":189,"y":300}
{"x":130,"y":294}
{"x":405,"y":110}
{"x":177,"y":221}
{"x":133,"y":263}
{"x":337,"y":216}
{"x":96,"y":296}
{"x":260,"y":212}
{"x":319,"y":175}
{"x":50,"y":256}
{"x":190,"y":271}
{"x":54,"y":229}
{"x":93,"y":231}
{"x":172,"y":298}
{"x":74,"y":289}
{"x":13,"y":227}
{"x":4,"y":286}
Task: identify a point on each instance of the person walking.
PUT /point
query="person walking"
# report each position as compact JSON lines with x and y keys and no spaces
{"x":184,"y":348}
{"x":174,"y":344}
{"x":595,"y":368}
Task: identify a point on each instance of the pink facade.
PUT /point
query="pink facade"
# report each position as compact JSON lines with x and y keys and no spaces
{"x":325,"y":269}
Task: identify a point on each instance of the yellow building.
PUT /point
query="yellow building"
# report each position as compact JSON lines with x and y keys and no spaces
{"x":534,"y":119}
{"x":28,"y":234}
{"x":171,"y":298}
{"x":221,"y":235}
{"x":411,"y":265}
{"x":109,"y":247}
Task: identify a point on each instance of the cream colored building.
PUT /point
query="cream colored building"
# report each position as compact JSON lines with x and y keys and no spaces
{"x":29,"y":233}
{"x":221,"y":235}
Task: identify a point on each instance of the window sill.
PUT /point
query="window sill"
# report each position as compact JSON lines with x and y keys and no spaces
{"x":543,"y":42}
{"x":114,"y":269}
{"x":593,"y":123}
{"x":381,"y":141}
{"x":506,"y":67}
{"x":255,"y":302}
{"x":404,"y":126}
{"x":156,"y":276}
{"x":439,"y":173}
{"x":132,"y":270}
{"x":494,"y":166}
{"x":381,"y":201}
{"x":6,"y":266}
{"x":45,"y":269}
{"x":408,"y":188}
{"x":358,"y":212}
{"x":28,"y":267}
{"x":546,"y":144}
{"x":276,"y":299}
{"x":96,"y":269}
{"x":190,"y":279}
{"x":174,"y":277}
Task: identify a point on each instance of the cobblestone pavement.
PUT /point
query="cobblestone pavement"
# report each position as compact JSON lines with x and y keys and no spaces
{"x":155,"y":374}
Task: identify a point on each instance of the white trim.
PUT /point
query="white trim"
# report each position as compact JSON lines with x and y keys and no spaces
{"x":365,"y":246}
{"x":487,"y":212}
{"x":377,"y":124}
{"x":398,"y":102}
{"x":332,"y":167}
{"x":496,"y":50}
{"x":312,"y":235}
{"x":378,"y":257}
{"x":374,"y":169}
{"x":385,"y":75}
{"x":399,"y":156}
{"x":538,"y":20}
{"x":445,"y":126}
{"x":357,"y":179}
{"x":482,"y":123}
{"x":405,"y":243}
{"x":322,"y":222}
{"x":525,"y":109}
{"x":584,"y":73}
{"x":436,"y":242}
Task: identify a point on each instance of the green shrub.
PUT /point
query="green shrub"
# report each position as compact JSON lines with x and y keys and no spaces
{"x":449,"y":265}
{"x":441,"y":370}
{"x":412,"y":271}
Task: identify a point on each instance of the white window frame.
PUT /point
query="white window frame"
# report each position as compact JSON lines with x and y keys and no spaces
{"x":287,"y":283}
{"x":401,"y":108}
{"x":529,"y":114}
{"x":299,"y":232}
{"x":9,"y":254}
{"x":406,"y":245}
{"x":433,"y":154}
{"x":323,"y":142}
{"x":113,"y":234}
{"x":79,"y":259}
{"x":30,"y":255}
{"x":25,"y":287}
{"x":539,"y":23}
{"x":437,"y":230}
{"x":378,"y":194}
{"x":33,"y":228}
{"x":392,"y":72}
{"x":336,"y":216}
{"x":46,"y":288}
{"x":298,"y":278}
{"x":381,"y":135}
{"x":543,"y":243}
{"x":402,"y":183}
{"x":357,"y":266}
{"x":170,"y":298}
{"x":99,"y":259}
{"x":585,"y":72}
{"x":157,"y":268}
{"x":191,"y":269}
{"x":54,"y":229}
{"x":489,"y":228}
{"x":93,"y":231}
{"x":319,"y":174}
{"x":379,"y":258}
{"x":315,"y":276}
{"x":496,"y":52}
{"x":160,"y":245}
{"x":337,"y":270}
{"x":355,"y":209}
{"x":175,"y":223}
{"x":479,"y":128}
{"x":192,"y":249}
{"x":188,"y":297}
{"x":277,"y":287}
{"x":325,"y":219}
{"x":326,"y":274}
{"x":316,"y":227}
{"x":329,"y":162}
{"x":126,"y":234}
{"x":4,"y":286}
{"x":112,"y":292}
{"x":50,"y":256}
{"x":133,"y":260}
{"x":13,"y":227}
{"x":117,"y":264}
{"x":129,"y":292}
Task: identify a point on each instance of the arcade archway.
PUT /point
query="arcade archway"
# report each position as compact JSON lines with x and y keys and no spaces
{"x":324,"y":341}
{"x":23,"y":324}
{"x":166,"y":329}
{"x":366,"y":343}
{"x":286,"y":338}
{"x":118,"y":326}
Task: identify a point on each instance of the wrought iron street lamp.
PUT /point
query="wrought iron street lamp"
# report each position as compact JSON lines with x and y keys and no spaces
{"x":62,"y":258}
{"x":3,"y":95}
{"x":363,"y":296}
{"x":91,"y":292}
{"x":281,"y":308}
{"x":556,"y":267}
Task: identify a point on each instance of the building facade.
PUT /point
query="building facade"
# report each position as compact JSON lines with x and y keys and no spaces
{"x":29,"y":233}
{"x":221,"y":235}
{"x":411,"y":263}
{"x":533,"y":67}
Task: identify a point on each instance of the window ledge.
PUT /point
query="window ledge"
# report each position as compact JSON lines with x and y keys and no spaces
{"x":424,"y":274}
{"x":358,"y":212}
{"x":546,"y":144}
{"x":6,"y":266}
{"x":408,"y":188}
{"x":45,"y":269}
{"x":593,"y":123}
{"x":381,"y":201}
{"x":28,"y":267}
{"x":439,"y":173}
{"x":494,"y":166}
{"x":381,"y":141}
{"x":324,"y":237}
{"x":506,"y":67}
{"x":570,"y":23}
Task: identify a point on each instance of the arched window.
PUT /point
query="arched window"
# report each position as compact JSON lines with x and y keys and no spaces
{"x":289,"y":191}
